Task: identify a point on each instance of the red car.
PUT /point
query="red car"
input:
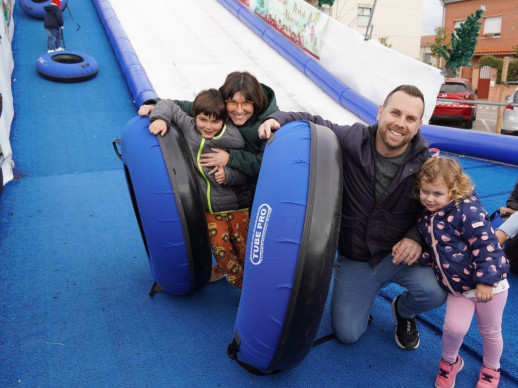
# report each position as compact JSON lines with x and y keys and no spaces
{"x":456,"y":89}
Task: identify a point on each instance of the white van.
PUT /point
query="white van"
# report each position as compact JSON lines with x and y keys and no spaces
{"x":510,"y":115}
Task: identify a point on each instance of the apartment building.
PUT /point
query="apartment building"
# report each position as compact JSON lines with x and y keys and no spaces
{"x":499,"y":30}
{"x":398,"y":22}
{"x":498,"y":35}
{"x":425,"y":52}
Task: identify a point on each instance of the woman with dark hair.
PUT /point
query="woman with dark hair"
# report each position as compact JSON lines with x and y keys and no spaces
{"x":248,"y":104}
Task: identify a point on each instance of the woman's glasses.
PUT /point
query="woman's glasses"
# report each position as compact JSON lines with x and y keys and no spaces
{"x":246,"y":105}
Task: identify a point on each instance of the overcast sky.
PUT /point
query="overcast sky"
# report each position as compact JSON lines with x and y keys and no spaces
{"x":432,"y":16}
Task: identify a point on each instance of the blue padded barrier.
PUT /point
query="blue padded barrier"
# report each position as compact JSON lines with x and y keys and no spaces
{"x":501,"y":148}
{"x":291,"y":247}
{"x":138,"y":81}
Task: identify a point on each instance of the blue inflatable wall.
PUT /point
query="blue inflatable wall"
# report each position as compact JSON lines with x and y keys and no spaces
{"x":129,"y":62}
{"x":291,"y":247}
{"x":168,"y":206}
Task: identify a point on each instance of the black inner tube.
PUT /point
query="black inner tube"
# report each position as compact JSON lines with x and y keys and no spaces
{"x":39,"y":1}
{"x":67,"y":58}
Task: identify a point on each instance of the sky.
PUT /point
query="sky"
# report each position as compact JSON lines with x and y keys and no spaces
{"x":432,"y":16}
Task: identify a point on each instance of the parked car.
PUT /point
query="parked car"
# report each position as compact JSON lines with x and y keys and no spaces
{"x":510,"y":115}
{"x":456,"y":89}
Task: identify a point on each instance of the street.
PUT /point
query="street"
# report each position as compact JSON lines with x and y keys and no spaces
{"x":485,"y":122}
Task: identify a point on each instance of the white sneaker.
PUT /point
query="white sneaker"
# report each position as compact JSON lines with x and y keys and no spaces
{"x":50,"y":51}
{"x":60,"y":49}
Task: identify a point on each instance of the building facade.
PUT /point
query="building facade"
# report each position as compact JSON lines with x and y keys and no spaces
{"x":425,"y":52}
{"x":397,"y":22}
{"x":498,"y":35}
{"x":499,"y":29}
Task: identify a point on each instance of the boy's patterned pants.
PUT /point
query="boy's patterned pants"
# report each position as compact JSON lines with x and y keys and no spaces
{"x":227,"y":235}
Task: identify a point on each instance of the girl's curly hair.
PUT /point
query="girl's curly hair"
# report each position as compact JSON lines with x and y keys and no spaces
{"x":459,"y":184}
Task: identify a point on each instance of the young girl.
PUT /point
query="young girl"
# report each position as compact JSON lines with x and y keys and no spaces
{"x":468,"y":262}
{"x":225,"y":193}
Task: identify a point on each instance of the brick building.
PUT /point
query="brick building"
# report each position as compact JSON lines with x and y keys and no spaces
{"x":425,"y":53}
{"x":498,"y":35}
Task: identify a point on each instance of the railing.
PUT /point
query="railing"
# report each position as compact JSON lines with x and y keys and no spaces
{"x":475,"y":102}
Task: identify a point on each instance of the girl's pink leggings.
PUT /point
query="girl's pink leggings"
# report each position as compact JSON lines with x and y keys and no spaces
{"x":459,"y":313}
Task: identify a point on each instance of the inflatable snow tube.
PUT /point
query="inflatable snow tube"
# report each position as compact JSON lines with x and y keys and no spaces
{"x":35,"y":8}
{"x":168,"y":206}
{"x":497,"y":219}
{"x":67,"y":66}
{"x":291,"y":248}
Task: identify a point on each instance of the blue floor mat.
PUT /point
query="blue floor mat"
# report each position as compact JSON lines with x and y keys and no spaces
{"x":62,"y":128}
{"x":75,"y":309}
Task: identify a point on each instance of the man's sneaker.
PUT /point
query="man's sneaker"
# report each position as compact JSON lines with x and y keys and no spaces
{"x":488,"y":378}
{"x":447,"y":373}
{"x":406,"y":335}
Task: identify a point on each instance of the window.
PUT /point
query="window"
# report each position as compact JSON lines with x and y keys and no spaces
{"x":458,"y":23}
{"x":427,"y":58}
{"x":364,"y":13}
{"x":453,"y":88}
{"x":493,"y":26}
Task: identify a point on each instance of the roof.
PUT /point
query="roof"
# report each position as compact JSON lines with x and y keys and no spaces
{"x":504,"y":50}
{"x":427,"y":40}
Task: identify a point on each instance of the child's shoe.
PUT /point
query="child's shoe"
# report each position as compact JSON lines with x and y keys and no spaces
{"x":50,"y":51}
{"x":488,"y":378}
{"x":60,"y":49}
{"x":217,"y":274}
{"x":448,"y":373}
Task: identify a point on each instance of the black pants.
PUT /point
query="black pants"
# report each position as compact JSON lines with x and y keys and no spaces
{"x":511,"y":250}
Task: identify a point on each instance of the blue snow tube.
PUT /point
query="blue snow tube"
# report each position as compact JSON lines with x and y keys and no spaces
{"x":168,"y":206}
{"x":291,"y":248}
{"x":35,"y":8}
{"x":497,"y":220}
{"x":67,"y":66}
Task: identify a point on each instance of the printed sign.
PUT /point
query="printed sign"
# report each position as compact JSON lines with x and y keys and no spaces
{"x":7,"y":13}
{"x":256,"y":239}
{"x":300,"y":22}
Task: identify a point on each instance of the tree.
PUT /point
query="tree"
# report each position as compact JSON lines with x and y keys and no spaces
{"x":440,"y":37}
{"x":498,"y":63}
{"x":319,"y":3}
{"x":462,"y":43}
